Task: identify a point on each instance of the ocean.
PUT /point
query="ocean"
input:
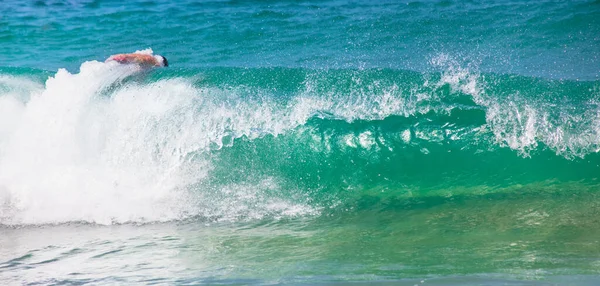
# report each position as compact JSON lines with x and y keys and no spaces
{"x":300,"y":142}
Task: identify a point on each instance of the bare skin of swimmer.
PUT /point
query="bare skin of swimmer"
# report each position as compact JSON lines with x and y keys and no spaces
{"x":141,"y":59}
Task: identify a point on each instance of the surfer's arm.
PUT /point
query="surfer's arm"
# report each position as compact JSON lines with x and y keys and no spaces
{"x":120,"y":58}
{"x":140,"y":59}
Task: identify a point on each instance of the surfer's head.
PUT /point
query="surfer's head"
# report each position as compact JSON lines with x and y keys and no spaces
{"x":162,"y":61}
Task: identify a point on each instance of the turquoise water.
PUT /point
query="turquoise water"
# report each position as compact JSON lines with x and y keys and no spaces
{"x":401,"y":143}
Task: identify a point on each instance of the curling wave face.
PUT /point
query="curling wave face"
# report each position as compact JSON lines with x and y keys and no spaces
{"x":108,"y":145}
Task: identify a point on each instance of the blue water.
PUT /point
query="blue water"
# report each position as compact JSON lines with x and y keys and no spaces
{"x":388,"y":142}
{"x":545,"y":39}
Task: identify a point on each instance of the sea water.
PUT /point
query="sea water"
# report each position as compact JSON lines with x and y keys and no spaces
{"x":313,"y":142}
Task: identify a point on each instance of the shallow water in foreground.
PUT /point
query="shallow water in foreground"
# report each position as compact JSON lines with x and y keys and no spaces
{"x":533,"y":238}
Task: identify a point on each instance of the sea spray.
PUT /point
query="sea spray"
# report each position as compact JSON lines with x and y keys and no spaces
{"x":93,"y":148}
{"x":59,"y":164}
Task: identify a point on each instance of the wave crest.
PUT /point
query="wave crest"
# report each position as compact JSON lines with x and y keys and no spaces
{"x":107,"y":145}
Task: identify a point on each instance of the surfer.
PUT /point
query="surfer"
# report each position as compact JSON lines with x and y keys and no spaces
{"x":142,"y":59}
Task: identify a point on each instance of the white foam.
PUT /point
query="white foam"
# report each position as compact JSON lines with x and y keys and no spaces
{"x":147,"y":51}
{"x":73,"y":153}
{"x":522,"y":123}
